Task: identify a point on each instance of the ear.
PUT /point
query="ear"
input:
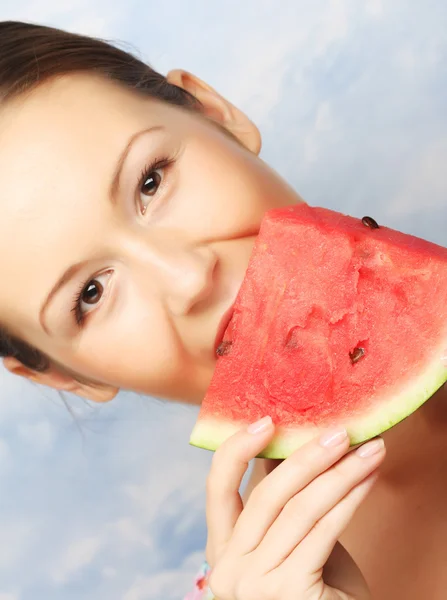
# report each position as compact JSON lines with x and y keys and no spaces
{"x":217,"y":108}
{"x":58,"y":380}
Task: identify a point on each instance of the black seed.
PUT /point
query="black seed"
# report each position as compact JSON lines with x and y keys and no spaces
{"x":356,"y":355}
{"x":370,"y":222}
{"x":291,"y":339}
{"x":224,"y":348}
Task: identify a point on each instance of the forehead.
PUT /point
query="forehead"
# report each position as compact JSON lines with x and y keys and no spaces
{"x":58,"y":147}
{"x":59,"y":132}
{"x":74,"y":114}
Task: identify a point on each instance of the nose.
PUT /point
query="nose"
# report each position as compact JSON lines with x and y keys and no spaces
{"x":190,"y":281}
{"x":181,"y":273}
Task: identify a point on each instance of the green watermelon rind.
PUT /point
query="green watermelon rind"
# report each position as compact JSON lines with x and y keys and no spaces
{"x":210,"y":432}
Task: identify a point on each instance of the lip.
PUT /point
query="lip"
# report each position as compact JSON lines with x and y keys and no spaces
{"x":224,"y":322}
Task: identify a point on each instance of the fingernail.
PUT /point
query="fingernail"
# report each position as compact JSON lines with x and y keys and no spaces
{"x":260,"y":425}
{"x":333,"y":438}
{"x":370,"y":448}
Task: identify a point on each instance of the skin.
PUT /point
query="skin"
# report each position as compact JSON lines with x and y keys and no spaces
{"x":401,"y":526}
{"x":169,"y":275}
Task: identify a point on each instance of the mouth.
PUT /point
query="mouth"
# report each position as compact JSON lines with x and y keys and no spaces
{"x":223,"y":325}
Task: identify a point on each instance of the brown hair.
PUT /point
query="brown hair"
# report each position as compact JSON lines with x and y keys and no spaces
{"x":29,"y":55}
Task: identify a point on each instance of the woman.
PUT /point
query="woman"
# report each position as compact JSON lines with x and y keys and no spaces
{"x":130,"y":206}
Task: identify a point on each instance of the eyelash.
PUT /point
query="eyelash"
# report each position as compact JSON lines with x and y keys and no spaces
{"x":154,"y":165}
{"x":76,"y":307}
{"x":159,"y":163}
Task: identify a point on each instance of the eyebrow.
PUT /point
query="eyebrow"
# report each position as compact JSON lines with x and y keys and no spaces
{"x":114,"y":187}
{"x":113,"y":194}
{"x":68,"y":274}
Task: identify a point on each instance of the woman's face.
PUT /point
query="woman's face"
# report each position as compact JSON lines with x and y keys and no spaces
{"x":126,"y":229}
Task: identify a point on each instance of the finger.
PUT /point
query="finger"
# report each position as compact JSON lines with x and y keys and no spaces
{"x":290,"y":477}
{"x":315,"y":550}
{"x":229,"y":464}
{"x":307,"y":508}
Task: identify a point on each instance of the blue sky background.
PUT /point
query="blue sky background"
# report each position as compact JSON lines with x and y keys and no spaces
{"x":107,"y":502}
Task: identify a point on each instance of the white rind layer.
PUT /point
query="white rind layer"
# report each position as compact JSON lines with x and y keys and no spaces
{"x":210,"y":433}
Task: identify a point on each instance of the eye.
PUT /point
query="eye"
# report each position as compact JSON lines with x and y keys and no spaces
{"x":90,"y":296}
{"x":150,"y":185}
{"x":150,"y":181}
{"x":93,"y":292}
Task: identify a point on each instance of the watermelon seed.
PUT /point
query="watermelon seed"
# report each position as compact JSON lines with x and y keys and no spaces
{"x":224,"y":348}
{"x":291,"y":341}
{"x":356,"y":354}
{"x":370,"y":222}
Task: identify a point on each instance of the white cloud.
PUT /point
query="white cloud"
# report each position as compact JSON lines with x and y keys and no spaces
{"x":263,"y":56}
{"x":92,"y":18}
{"x":167,"y":584}
{"x":160,"y":585}
{"x":40,"y":436}
{"x":5,"y":457}
{"x":324,"y":120}
{"x":16,"y":539}
{"x":176,"y":481}
{"x":79,"y":554}
{"x":130,"y":531}
{"x":423,"y":186}
{"x":108,"y":573}
{"x":333,"y":27}
{"x":23,"y":401}
{"x":9,"y":596}
{"x":324,"y":124}
{"x":374,"y":8}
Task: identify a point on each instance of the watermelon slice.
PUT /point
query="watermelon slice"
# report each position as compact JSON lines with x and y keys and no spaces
{"x":338,"y":322}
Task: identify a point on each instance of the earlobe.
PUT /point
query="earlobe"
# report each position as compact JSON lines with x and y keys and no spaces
{"x":217,"y":108}
{"x":59,"y":380}
{"x":101,"y":395}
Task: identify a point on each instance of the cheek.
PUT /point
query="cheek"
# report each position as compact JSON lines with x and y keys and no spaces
{"x":137,"y":344}
{"x":223,"y":192}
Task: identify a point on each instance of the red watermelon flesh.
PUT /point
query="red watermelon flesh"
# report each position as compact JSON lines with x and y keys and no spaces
{"x":337,"y":322}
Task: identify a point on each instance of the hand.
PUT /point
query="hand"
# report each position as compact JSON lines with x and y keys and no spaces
{"x":283,"y":544}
